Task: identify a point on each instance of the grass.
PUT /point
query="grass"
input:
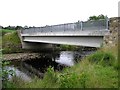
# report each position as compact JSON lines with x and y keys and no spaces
{"x":11,"y":42}
{"x":0,"y":42}
{"x":85,"y":74}
{"x":7,"y":30}
{"x":103,"y":58}
{"x":4,"y":31}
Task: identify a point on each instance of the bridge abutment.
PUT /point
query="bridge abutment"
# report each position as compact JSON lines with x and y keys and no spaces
{"x":112,"y":38}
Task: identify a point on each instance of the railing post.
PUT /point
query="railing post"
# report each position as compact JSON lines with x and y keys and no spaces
{"x":64,"y":27}
{"x":81,"y":24}
{"x":107,"y":23}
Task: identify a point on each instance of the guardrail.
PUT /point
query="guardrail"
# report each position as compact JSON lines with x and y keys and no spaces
{"x":87,"y":25}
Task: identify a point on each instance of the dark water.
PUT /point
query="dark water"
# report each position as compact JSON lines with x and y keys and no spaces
{"x":37,"y":67}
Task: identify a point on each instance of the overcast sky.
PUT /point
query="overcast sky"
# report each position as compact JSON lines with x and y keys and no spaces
{"x":50,"y":12}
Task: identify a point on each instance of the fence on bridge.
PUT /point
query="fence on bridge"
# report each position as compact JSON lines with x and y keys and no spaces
{"x":87,"y":25}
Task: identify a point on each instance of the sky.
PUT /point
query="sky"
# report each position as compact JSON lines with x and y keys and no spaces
{"x":51,"y":12}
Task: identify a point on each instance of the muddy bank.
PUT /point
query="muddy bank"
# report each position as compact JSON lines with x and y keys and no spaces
{"x":21,"y":56}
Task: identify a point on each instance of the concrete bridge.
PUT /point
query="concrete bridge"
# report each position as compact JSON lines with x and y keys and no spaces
{"x":88,"y":33}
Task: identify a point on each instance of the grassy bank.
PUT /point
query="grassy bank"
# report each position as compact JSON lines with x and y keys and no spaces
{"x":10,"y":41}
{"x":4,"y":31}
{"x":98,"y":70}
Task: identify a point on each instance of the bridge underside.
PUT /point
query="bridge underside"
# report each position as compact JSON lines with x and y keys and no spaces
{"x":37,"y":46}
{"x":45,"y":41}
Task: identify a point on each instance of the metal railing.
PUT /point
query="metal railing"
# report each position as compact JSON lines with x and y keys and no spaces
{"x":87,"y":25}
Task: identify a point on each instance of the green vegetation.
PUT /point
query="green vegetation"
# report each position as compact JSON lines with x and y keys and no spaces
{"x":68,"y":47}
{"x":5,"y":72}
{"x":4,"y":31}
{"x":11,"y":42}
{"x":96,"y":17}
{"x":95,"y":71}
{"x":103,"y":58}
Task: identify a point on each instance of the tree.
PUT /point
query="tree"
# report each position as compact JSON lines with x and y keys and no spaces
{"x":97,"y":17}
{"x":18,"y":27}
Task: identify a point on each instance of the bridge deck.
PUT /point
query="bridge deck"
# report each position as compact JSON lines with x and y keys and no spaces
{"x":70,"y":33}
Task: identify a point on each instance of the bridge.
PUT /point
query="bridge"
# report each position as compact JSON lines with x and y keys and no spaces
{"x":87,"y":33}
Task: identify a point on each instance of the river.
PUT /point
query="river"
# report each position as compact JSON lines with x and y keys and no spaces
{"x":37,"y":67}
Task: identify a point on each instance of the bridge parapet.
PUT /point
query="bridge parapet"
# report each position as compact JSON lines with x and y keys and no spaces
{"x":76,"y":27}
{"x":72,"y":33}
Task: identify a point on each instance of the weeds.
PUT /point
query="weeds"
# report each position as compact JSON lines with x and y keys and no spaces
{"x":103,"y":58}
{"x":73,"y":80}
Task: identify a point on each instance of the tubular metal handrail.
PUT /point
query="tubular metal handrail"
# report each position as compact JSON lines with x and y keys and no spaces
{"x":86,"y":25}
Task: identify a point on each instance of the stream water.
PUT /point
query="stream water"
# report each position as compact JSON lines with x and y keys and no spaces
{"x":37,"y":67}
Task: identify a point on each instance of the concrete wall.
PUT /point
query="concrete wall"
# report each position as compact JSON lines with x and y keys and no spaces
{"x":112,"y":38}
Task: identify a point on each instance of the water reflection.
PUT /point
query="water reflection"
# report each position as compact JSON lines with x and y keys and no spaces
{"x":66,"y":58}
{"x":18,"y":73}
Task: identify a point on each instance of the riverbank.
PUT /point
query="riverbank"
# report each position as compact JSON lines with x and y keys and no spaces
{"x":21,"y":56}
{"x":11,"y":42}
{"x":98,"y":70}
